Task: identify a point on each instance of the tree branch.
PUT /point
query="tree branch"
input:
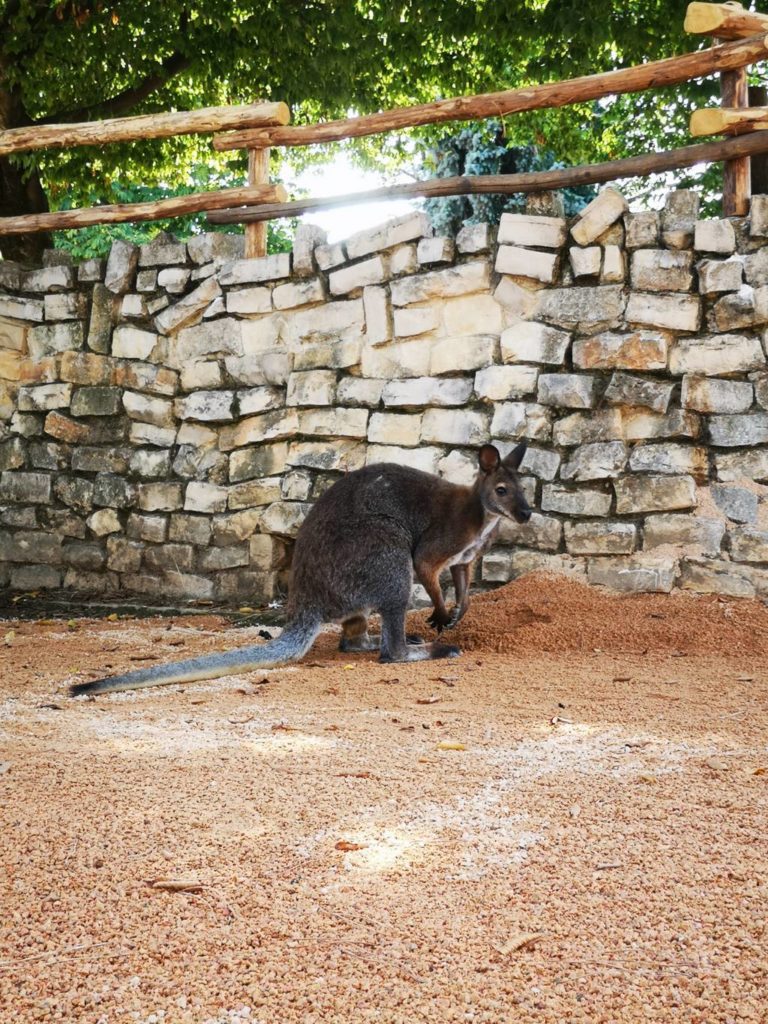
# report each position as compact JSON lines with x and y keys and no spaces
{"x":126,"y":100}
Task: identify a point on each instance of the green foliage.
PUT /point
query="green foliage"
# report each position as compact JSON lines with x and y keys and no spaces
{"x":481,"y":149}
{"x":69,"y":60}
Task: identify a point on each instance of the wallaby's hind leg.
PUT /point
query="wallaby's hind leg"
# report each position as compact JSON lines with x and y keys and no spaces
{"x":355,"y":636}
{"x":395,"y":648}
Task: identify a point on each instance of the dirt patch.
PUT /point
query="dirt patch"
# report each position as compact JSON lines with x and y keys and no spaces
{"x":568,"y":823}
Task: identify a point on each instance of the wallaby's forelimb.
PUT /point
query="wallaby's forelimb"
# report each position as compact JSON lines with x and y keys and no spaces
{"x":292,"y":644}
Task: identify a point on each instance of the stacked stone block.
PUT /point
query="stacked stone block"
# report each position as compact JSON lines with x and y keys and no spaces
{"x":168,"y":416}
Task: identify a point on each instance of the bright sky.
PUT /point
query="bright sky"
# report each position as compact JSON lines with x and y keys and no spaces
{"x":339,"y":178}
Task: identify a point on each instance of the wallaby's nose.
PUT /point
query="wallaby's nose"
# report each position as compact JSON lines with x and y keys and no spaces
{"x":523,"y":514}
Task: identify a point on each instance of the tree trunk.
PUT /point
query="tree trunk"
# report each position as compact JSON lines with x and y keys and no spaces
{"x":20,"y":190}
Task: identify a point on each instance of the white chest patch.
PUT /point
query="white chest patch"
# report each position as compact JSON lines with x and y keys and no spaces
{"x":473,"y":549}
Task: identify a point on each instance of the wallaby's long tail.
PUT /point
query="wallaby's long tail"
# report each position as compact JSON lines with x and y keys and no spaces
{"x":292,"y":644}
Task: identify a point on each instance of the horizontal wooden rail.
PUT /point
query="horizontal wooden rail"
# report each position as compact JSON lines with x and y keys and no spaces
{"x":198,"y":202}
{"x":589,"y":174}
{"x":727,"y":120}
{"x":657,"y":74}
{"x":144,"y":126}
{"x":726,"y":21}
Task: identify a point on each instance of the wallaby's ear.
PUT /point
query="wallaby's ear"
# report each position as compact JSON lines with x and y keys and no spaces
{"x":516,"y":456}
{"x":489,"y":458}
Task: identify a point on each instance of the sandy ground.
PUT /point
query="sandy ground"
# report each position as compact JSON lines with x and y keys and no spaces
{"x":597,"y":850}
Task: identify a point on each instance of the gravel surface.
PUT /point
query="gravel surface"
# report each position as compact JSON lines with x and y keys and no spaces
{"x":568,"y":823}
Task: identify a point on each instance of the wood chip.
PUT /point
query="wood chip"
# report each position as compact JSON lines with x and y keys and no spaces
{"x":450,"y":745}
{"x":523,"y":940}
{"x":175,"y":884}
{"x":347,"y":847}
{"x":433,"y":699}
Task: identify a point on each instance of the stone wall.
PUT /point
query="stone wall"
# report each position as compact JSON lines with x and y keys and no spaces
{"x":168,"y":416}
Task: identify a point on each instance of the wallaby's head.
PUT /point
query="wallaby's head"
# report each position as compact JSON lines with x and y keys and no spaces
{"x":499,"y":484}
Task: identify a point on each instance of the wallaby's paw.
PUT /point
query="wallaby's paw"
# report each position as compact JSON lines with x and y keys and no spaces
{"x":445,"y":651}
{"x":438,"y":620}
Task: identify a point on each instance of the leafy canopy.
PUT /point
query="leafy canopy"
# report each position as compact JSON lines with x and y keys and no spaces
{"x":84,"y":59}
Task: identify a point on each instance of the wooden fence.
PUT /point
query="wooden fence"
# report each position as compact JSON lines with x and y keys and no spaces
{"x":741,"y":40}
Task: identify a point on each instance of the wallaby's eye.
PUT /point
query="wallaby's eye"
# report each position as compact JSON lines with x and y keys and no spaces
{"x":501,"y":489}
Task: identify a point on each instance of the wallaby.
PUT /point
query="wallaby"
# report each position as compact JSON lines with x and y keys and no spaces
{"x":356,"y":553}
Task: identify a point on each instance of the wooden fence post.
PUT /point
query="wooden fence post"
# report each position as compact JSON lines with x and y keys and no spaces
{"x":258,"y":174}
{"x":736,"y":173}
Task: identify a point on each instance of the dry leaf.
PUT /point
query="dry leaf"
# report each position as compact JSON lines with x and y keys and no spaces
{"x":717,"y":764}
{"x":450,"y":745}
{"x":175,"y":884}
{"x":354,"y":775}
{"x":523,"y":940}
{"x":9,"y":637}
{"x":112,"y":617}
{"x":608,"y":865}
{"x":246,"y":610}
{"x":347,"y":847}
{"x":760,"y":771}
{"x":283,"y":728}
{"x":433,"y":699}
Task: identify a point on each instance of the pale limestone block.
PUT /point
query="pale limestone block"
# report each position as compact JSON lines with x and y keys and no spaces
{"x":311,"y":387}
{"x":739,"y":430}
{"x":600,"y":538}
{"x":268,"y":426}
{"x":21,"y":309}
{"x":521,"y":229}
{"x":49,"y":339}
{"x":460,"y":280}
{"x":568,"y":390}
{"x":220,"y":337}
{"x":305,"y":240}
{"x":349,"y":279}
{"x":662,"y":270}
{"x":541,"y":532}
{"x":148,"y":409}
{"x":450,"y":355}
{"x":341,"y":456}
{"x":206,"y":406}
{"x":474,"y":238}
{"x":614,"y":265}
{"x":173,"y":279}
{"x":189,"y":309}
{"x":328,"y":256}
{"x":215,"y":247}
{"x":472,"y":314}
{"x":333,"y":422}
{"x":608,"y":207}
{"x":751,"y":465}
{"x":411,"y":321}
{"x":689,"y":531}
{"x":716,"y":354}
{"x":651,"y":493}
{"x":67,"y":306}
{"x":520,"y":303}
{"x":518,"y":420}
{"x":498,"y":383}
{"x":43,"y":397}
{"x":422,"y":391}
{"x":332,"y":322}
{"x":642,"y":230}
{"x":246,"y":301}
{"x":627,"y":389}
{"x":600,"y":460}
{"x":104,"y":522}
{"x":399,"y":359}
{"x":458,"y":468}
{"x":708,"y":395}
{"x":669,"y":457}
{"x":331,"y":355}
{"x":378,"y":316}
{"x":423,"y":458}
{"x":407,"y":228}
{"x":393,"y":428}
{"x":403,"y":260}
{"x":585,"y":262}
{"x":13,"y":336}
{"x":435,"y":250}
{"x":587,"y":309}
{"x":531,"y":342}
{"x":529,"y":263}
{"x":570,"y":502}
{"x":669,"y":312}
{"x":148,"y":433}
{"x":642,"y":424}
{"x":636,"y":350}
{"x":758,"y":215}
{"x":541,"y":462}
{"x":720,"y":275}
{"x":204,"y":497}
{"x":714,"y":236}
{"x":636,"y":574}
{"x":679,"y":217}
{"x":359,"y":391}
{"x":443,"y":426}
{"x":201,"y":375}
{"x":122,"y":262}
{"x":263,"y":268}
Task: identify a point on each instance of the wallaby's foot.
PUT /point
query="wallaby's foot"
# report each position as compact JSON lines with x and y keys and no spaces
{"x":356,"y":644}
{"x":441,"y":620}
{"x":421,"y":652}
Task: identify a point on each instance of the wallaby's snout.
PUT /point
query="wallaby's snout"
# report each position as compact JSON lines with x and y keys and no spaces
{"x":523,"y":511}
